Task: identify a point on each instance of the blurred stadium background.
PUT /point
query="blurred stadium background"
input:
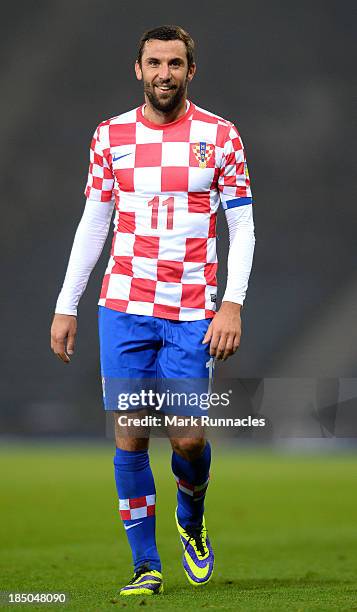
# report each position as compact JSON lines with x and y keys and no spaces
{"x":285,"y":75}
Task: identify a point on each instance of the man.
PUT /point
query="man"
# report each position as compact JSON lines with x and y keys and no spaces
{"x":165,"y":166}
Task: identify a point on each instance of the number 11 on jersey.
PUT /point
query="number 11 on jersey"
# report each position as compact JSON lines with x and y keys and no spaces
{"x":155,"y":203}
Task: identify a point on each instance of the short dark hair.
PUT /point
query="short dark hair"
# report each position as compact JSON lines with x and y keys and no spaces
{"x":169,"y":32}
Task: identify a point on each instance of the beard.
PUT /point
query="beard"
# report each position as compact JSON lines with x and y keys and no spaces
{"x":168,"y":101}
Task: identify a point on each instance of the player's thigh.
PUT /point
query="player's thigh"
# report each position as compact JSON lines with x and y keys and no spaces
{"x":128,"y":344}
{"x":128,"y":356}
{"x":183,"y":354}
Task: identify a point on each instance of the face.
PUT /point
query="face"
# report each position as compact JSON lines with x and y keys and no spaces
{"x":165,"y":73}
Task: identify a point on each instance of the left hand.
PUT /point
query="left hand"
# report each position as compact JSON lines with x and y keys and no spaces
{"x":224,"y":331}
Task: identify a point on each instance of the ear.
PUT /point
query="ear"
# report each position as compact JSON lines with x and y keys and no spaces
{"x":138,"y":72}
{"x":191,"y":72}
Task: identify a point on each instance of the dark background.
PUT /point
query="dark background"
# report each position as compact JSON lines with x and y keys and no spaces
{"x":284,"y":73}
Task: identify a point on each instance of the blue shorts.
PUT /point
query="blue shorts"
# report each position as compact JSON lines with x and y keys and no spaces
{"x":139,"y":353}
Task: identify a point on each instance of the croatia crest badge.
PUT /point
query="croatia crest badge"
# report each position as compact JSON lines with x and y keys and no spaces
{"x":203,"y":153}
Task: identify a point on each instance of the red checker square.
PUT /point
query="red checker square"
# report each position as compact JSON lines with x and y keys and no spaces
{"x":209,"y":314}
{"x":174,"y":179}
{"x":125,"y":515}
{"x":104,"y":289}
{"x":199,"y":116}
{"x":236,"y":142}
{"x":148,"y":155}
{"x":212,"y":226}
{"x":106,"y":196}
{"x":97,"y":159}
{"x":241,"y":192}
{"x":178,"y":133}
{"x":166,"y":312}
{"x":137,"y":502}
{"x":169,"y":271}
{"x":193,"y":296}
{"x":210,"y":274}
{"x":240,"y":168}
{"x":125,"y":178}
{"x":230,"y":181}
{"x":147,"y":246}
{"x":120,"y":305}
{"x":142,"y":290}
{"x":107,"y":173}
{"x":215,"y":179}
{"x":222,"y":133}
{"x":196,"y":249}
{"x":122,"y":134}
{"x":126,"y":223}
{"x":97,"y":182}
{"x":230,"y":159}
{"x":123,"y":265}
{"x":199,"y":202}
{"x":151,"y":510}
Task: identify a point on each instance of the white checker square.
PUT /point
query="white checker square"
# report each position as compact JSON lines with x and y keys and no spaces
{"x":239,"y":156}
{"x":200,"y":179}
{"x":98,"y":171}
{"x":123,"y":157}
{"x":174,"y":250}
{"x":192,"y":314}
{"x":146,"y":308}
{"x":124,"y":246}
{"x":175,"y":154}
{"x":119,"y":284}
{"x":124,"y":504}
{"x":107,"y":184}
{"x":211,"y":250}
{"x":203,"y":132}
{"x":147,"y":180}
{"x":137,"y":513}
{"x":128,"y":117}
{"x":193,"y":273}
{"x":210,"y":291}
{"x":145,"y":135}
{"x":144,"y":267}
{"x":168,"y":294}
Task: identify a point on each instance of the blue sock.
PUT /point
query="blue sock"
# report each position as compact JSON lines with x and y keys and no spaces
{"x":137,"y":495}
{"x":192,"y":481}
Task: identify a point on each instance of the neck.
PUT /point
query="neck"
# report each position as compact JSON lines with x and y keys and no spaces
{"x":159,"y":117}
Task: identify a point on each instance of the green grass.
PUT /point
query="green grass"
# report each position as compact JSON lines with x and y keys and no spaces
{"x":284,"y":529}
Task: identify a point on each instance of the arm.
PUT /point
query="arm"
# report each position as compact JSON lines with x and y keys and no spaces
{"x":225,"y":329}
{"x":88,"y":244}
{"x":234,"y":184}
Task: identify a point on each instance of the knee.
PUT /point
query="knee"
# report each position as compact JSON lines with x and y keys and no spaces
{"x":188,"y":448}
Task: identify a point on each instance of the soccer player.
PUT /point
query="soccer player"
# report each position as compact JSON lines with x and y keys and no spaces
{"x":165,"y":168}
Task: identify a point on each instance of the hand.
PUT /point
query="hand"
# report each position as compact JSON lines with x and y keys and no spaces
{"x":63,"y":333}
{"x":224,"y":331}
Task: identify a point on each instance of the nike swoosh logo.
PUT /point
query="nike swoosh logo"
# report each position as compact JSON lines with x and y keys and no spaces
{"x":199,"y":572}
{"x":120,"y":156}
{"x":126,"y":527}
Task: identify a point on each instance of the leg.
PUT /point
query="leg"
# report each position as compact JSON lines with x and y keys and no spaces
{"x":128,"y":349}
{"x":184,"y":357}
{"x":137,"y":496}
{"x":191,"y":460}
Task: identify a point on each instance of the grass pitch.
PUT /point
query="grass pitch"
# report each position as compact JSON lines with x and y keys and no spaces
{"x":284,"y":529}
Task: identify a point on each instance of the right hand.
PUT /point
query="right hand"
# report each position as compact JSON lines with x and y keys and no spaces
{"x":63,"y":333}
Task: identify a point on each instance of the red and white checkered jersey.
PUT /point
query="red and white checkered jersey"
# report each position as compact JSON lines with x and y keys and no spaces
{"x":167,"y":181}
